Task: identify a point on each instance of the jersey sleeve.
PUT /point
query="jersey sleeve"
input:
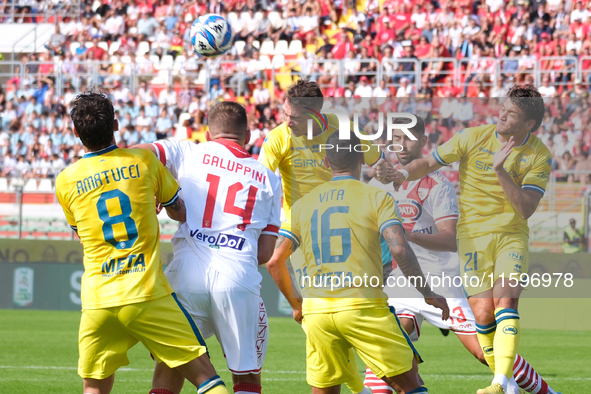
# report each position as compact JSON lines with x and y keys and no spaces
{"x":537,"y":177}
{"x":444,"y":202}
{"x":274,"y":222}
{"x":387,"y":211}
{"x":166,"y":188}
{"x":170,"y":154}
{"x":291,"y":228}
{"x":65,"y":206}
{"x":272,"y":150}
{"x":453,"y":150}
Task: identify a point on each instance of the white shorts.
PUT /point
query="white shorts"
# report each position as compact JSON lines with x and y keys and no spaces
{"x":409,"y":303}
{"x":222,"y":307}
{"x":461,"y":319}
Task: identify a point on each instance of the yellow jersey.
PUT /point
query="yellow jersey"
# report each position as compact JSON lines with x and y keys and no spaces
{"x":300,"y":161}
{"x":108,"y":198}
{"x":484,"y":208}
{"x":337,"y":227}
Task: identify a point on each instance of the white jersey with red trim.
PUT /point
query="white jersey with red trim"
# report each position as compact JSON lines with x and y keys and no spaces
{"x":422,"y":204}
{"x":231,"y":199}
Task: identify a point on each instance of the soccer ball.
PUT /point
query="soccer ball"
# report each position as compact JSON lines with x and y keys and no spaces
{"x":211,"y":35}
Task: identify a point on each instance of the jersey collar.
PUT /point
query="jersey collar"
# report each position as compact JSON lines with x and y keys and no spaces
{"x":523,"y":143}
{"x":233,"y":147}
{"x":100,"y":152}
{"x":342,"y":177}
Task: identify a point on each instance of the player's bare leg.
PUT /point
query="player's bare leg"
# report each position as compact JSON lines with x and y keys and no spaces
{"x":96,"y":386}
{"x":407,"y":382}
{"x":199,"y":372}
{"x":249,"y":383}
{"x":408,"y":324}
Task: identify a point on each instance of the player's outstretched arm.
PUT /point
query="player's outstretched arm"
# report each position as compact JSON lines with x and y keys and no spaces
{"x":177,"y":211}
{"x":384,"y":171}
{"x":420,"y":168}
{"x":266,"y":246}
{"x":407,"y":261}
{"x":277,"y":267}
{"x":149,"y":147}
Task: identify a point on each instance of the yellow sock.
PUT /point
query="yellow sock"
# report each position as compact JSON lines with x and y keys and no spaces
{"x":218,"y":390}
{"x":506,"y":340}
{"x":214,"y":385}
{"x":355,"y":384}
{"x":486,"y":337}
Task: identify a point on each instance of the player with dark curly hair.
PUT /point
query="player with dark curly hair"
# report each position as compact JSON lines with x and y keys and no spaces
{"x":504,"y":170}
{"x":108,"y":199}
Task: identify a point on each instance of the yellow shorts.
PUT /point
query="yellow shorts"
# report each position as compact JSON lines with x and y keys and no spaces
{"x":161,"y":325}
{"x":375,"y":334}
{"x":490,"y":257}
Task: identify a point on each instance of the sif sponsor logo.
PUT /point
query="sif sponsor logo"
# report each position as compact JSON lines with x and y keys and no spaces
{"x":221,"y":240}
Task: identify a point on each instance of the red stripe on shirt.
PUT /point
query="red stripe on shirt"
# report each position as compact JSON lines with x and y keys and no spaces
{"x":272,"y":229}
{"x":161,"y":154}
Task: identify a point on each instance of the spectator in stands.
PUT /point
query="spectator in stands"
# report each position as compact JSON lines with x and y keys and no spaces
{"x":406,"y":89}
{"x":56,"y":42}
{"x":163,"y":125}
{"x":261,"y":96}
{"x":308,"y":26}
{"x":406,"y":66}
{"x":546,"y":90}
{"x":352,"y":66}
{"x":146,"y":26}
{"x":364,"y":89}
{"x":168,"y":98}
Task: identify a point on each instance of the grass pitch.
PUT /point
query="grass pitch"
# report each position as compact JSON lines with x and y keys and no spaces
{"x":39,"y":353}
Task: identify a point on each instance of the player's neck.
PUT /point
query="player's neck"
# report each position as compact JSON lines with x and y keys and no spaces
{"x":354,"y":174}
{"x":98,"y":150}
{"x":232,"y":138}
{"x":518,"y":138}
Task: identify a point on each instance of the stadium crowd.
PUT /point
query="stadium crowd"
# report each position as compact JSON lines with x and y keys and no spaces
{"x":126,"y":40}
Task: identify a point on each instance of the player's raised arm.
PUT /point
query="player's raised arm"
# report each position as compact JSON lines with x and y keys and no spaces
{"x":407,"y":261}
{"x":149,"y":147}
{"x":524,"y":199}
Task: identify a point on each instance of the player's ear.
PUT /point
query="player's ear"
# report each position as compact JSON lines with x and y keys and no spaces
{"x":115,"y":125}
{"x":326,"y":163}
{"x":424,"y":140}
{"x":247,"y":136}
{"x":75,"y":132}
{"x":207,"y":136}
